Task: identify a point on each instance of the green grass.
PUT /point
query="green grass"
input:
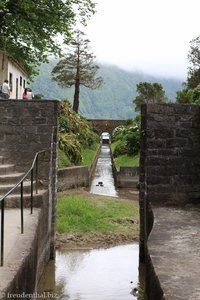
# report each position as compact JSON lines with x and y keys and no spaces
{"x":63,"y":161}
{"x":82,"y":214}
{"x":88,"y":155}
{"x":126,"y":161}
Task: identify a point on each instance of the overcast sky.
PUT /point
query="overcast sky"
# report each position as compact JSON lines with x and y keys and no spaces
{"x":147,"y":35}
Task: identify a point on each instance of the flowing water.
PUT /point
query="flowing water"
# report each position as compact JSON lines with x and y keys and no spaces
{"x":103,"y":181}
{"x":103,"y":274}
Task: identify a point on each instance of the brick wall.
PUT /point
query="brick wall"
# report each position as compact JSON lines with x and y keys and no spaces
{"x":170,"y":153}
{"x":25,"y":128}
{"x":169,"y":169}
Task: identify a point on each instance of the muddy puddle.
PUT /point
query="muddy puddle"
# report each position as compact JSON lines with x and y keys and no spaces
{"x":98,"y":274}
{"x":103,"y":274}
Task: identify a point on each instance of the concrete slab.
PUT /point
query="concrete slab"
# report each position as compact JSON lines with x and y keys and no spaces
{"x":16,"y":244}
{"x":174,"y":247}
{"x":127,"y":181}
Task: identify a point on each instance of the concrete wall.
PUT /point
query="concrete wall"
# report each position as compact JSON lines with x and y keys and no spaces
{"x":26,"y":263}
{"x":72,"y":177}
{"x":25,"y":128}
{"x":129,"y":171}
{"x":77,"y":176}
{"x":169,"y":170}
{"x":126,"y":177}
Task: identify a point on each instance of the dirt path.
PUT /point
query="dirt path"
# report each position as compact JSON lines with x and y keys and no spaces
{"x":94,"y":240}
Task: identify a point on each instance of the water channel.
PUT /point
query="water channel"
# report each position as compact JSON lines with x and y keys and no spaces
{"x":103,"y":180}
{"x":101,"y":274}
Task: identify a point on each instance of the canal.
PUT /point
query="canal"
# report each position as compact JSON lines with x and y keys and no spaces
{"x":98,"y":274}
{"x":103,"y":181}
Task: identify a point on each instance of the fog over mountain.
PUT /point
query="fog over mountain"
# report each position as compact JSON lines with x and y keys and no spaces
{"x":113,"y":100}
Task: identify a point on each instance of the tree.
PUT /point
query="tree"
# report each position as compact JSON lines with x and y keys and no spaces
{"x":149,"y":93}
{"x":29,"y":29}
{"x":189,"y":96}
{"x":77,"y":67}
{"x":191,"y":92}
{"x":184,"y":96}
{"x":193,"y":79}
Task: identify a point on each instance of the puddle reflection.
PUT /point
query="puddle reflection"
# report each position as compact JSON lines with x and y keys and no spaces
{"x":102,"y":274}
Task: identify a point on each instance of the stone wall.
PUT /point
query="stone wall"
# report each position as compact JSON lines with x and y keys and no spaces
{"x":106,"y":125}
{"x":25,"y":128}
{"x":170,"y":153}
{"x":169,"y":170}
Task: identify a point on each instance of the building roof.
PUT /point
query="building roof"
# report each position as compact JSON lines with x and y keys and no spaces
{"x":15,"y":62}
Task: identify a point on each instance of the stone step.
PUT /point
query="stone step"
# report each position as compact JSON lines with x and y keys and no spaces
{"x":6,"y":169}
{"x":4,"y":188}
{"x":13,"y":200}
{"x":1,"y":159}
{"x":11,"y":178}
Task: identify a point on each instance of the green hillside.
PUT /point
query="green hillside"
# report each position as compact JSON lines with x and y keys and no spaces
{"x":114,"y":100}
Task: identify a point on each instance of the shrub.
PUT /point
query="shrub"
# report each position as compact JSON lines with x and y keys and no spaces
{"x":132,"y":139}
{"x":75,"y":133}
{"x":127,"y":138}
{"x":120,"y":149}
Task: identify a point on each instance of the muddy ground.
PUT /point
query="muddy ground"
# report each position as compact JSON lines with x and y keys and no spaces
{"x":94,"y":240}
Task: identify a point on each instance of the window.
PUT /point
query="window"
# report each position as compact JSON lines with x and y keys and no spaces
{"x":17,"y":82}
{"x":20,"y":81}
{"x":11,"y":81}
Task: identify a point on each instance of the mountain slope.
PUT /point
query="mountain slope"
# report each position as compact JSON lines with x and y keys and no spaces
{"x":114,"y":100}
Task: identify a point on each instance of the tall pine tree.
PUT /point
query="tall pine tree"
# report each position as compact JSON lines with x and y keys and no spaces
{"x":77,"y":67}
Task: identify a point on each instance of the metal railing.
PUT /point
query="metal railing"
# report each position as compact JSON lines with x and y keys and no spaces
{"x":21,"y":184}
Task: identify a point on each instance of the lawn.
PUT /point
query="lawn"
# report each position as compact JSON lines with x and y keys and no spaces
{"x":77,"y":213}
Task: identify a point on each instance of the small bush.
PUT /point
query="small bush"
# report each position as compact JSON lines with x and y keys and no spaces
{"x":127,"y":138}
{"x":120,"y":149}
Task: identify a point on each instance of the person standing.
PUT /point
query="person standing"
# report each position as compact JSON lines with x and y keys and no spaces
{"x":30,"y":94}
{"x":5,"y":90}
{"x":25,"y":94}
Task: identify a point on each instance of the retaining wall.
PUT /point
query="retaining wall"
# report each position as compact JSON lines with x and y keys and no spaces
{"x":169,"y":170}
{"x":25,"y":128}
{"x":129,"y":171}
{"x":77,"y":176}
{"x":72,"y":177}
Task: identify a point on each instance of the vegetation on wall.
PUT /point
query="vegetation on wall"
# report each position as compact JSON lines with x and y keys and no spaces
{"x":75,"y":135}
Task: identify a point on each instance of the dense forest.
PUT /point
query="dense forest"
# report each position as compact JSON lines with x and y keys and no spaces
{"x":113,"y":100}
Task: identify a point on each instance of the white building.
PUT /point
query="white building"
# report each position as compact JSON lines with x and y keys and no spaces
{"x":11,"y":70}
